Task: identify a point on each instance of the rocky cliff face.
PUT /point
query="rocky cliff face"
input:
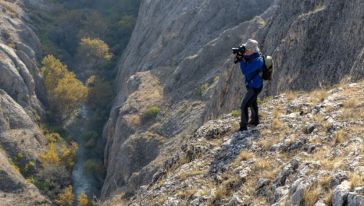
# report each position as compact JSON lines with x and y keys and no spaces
{"x":315,"y":43}
{"x":20,"y":105}
{"x":184,"y":66}
{"x":171,"y":66}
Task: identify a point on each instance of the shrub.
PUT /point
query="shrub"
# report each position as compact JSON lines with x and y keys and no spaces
{"x":236,"y":113}
{"x":68,"y":154}
{"x":203,"y":89}
{"x":151,"y":112}
{"x":83,"y":200}
{"x":50,"y":156}
{"x":66,"y":198}
{"x":311,"y":195}
{"x":63,"y":155}
{"x":340,"y":137}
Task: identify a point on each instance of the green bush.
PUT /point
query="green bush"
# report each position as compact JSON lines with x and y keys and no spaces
{"x":203,"y":89}
{"x":151,"y":112}
{"x":236,"y":113}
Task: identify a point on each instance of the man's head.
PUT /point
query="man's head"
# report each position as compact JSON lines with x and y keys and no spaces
{"x":251,"y":47}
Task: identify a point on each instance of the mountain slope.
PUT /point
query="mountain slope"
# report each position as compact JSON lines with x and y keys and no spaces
{"x":21,"y":92}
{"x":183,"y":67}
{"x":308,"y":150}
{"x":161,"y":67}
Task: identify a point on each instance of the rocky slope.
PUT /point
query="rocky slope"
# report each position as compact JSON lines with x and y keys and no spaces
{"x":162,"y":54}
{"x":20,"y":105}
{"x":183,"y":66}
{"x":308,"y":150}
{"x":165,"y":66}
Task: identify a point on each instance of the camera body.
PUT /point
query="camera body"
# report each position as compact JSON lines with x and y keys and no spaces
{"x":238,"y":53}
{"x":240,"y":50}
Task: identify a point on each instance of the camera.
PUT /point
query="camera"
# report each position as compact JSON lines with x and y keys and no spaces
{"x":240,"y":50}
{"x":238,"y":53}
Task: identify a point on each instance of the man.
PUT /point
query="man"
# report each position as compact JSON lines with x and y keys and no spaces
{"x":251,"y":65}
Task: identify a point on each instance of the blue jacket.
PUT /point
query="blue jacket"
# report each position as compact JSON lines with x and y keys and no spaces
{"x":251,"y":66}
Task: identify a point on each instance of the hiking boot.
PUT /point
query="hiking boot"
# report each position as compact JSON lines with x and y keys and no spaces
{"x":243,"y":128}
{"x":253,"y":123}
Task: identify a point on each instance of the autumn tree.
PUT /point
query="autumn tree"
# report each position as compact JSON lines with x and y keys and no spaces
{"x":93,"y":55}
{"x":64,"y":91}
{"x":83,"y":200}
{"x":66,"y":198}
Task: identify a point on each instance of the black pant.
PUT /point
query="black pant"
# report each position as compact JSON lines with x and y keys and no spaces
{"x":250,"y":100}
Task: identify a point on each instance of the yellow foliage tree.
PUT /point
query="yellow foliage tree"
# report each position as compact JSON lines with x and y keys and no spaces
{"x":65,"y":92}
{"x":65,"y":198}
{"x":50,"y":157}
{"x":83,"y":200}
{"x":93,"y":55}
{"x":95,"y":49}
{"x":68,"y":154}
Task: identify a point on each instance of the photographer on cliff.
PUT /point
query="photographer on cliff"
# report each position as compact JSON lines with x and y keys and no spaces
{"x":251,"y":65}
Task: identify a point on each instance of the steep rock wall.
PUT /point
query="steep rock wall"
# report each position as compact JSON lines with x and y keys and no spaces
{"x":182,"y":54}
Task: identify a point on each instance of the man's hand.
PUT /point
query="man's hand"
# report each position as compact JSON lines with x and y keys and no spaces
{"x":237,"y":58}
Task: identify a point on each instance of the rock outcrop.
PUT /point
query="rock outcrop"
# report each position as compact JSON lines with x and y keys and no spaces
{"x":188,"y":55}
{"x":21,"y":97}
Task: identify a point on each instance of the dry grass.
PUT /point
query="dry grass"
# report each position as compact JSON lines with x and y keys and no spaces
{"x":271,"y":173}
{"x":13,"y":13}
{"x":185,"y":194}
{"x":328,"y":197}
{"x":291,"y":95}
{"x":351,"y":102}
{"x":356,"y":180}
{"x":276,"y":124}
{"x":265,"y":144}
{"x":245,"y":155}
{"x":132,"y":120}
{"x":324,"y":182}
{"x":318,"y":96}
{"x":340,"y":137}
{"x":348,"y":114}
{"x":262,"y":164}
{"x":185,"y":175}
{"x":311,"y":195}
{"x":331,"y":164}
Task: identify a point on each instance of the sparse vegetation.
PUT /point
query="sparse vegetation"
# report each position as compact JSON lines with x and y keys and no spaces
{"x":66,"y":198}
{"x":83,"y":200}
{"x":245,"y":155}
{"x":236,"y":113}
{"x":291,"y":95}
{"x":276,"y":124}
{"x":318,"y":96}
{"x":356,"y":180}
{"x":151,"y":112}
{"x":340,"y":137}
{"x":203,"y":89}
{"x":311,"y":195}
